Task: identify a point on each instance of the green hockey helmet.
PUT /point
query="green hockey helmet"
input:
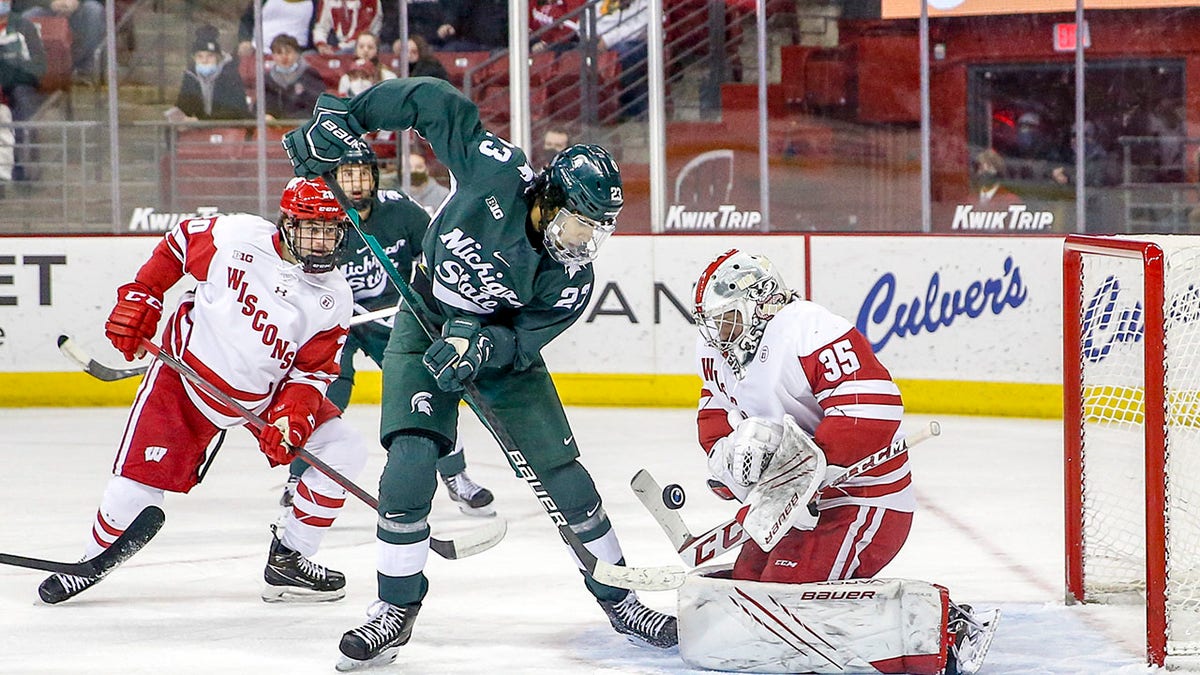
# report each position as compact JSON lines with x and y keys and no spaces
{"x":354,"y":179}
{"x":583,"y":190}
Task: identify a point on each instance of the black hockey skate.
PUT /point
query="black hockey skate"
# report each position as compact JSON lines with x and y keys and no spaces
{"x":58,"y":587}
{"x":472,"y":498}
{"x":291,"y":577}
{"x":972,"y":637}
{"x":378,"y":641}
{"x":642,"y":624}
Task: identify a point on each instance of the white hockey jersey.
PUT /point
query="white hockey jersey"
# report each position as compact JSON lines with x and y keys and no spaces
{"x":254,"y":322}
{"x":815,"y":366}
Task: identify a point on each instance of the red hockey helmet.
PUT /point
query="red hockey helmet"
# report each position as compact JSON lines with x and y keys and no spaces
{"x":313,"y":224}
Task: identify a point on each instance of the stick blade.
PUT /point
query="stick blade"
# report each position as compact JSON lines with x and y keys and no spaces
{"x":475,"y":540}
{"x":649,"y":493}
{"x":91,"y":366}
{"x":639,"y":578}
{"x":137,"y":535}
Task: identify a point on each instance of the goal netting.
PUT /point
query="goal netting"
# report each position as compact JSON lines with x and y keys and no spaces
{"x":1131,"y":376}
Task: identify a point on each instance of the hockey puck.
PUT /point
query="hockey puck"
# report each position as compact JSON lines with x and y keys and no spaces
{"x":673,"y":496}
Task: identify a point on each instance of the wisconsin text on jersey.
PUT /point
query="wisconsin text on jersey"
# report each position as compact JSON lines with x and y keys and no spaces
{"x":1017,"y":217}
{"x":282,"y":350}
{"x":480,"y":292}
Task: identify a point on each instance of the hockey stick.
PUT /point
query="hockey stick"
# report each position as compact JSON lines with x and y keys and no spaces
{"x":98,"y":370}
{"x":138,"y":534}
{"x":636,"y":578}
{"x":698,"y":549}
{"x":478,"y":539}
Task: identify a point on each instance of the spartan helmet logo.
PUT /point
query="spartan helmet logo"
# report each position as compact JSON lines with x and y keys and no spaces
{"x":420,"y":403}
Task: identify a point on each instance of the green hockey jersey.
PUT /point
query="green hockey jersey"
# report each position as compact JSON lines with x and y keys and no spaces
{"x":399,"y":223}
{"x":481,"y":256}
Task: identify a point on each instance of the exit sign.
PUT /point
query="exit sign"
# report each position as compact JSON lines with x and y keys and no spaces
{"x":1066,"y":34}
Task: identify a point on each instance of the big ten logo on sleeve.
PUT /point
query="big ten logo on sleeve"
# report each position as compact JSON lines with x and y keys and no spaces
{"x":37,"y":269}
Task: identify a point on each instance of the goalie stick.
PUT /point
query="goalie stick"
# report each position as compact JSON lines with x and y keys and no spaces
{"x":101,"y":372}
{"x":634,"y":578}
{"x":138,"y":534}
{"x":474,"y":541}
{"x":698,"y":549}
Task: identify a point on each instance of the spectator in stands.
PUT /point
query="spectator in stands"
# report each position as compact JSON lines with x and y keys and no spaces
{"x":425,"y":190}
{"x":367,"y":69}
{"x":22,"y":65}
{"x":555,"y":140}
{"x":86,"y":21}
{"x":990,"y":192}
{"x":279,"y":17}
{"x":425,"y":17}
{"x":621,"y":27}
{"x":211,"y":87}
{"x":292,"y":87}
{"x":421,"y":61}
{"x":474,"y":26}
{"x":340,"y":22}
{"x":558,"y":38}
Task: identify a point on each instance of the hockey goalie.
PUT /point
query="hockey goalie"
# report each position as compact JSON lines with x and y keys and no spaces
{"x":792,"y":399}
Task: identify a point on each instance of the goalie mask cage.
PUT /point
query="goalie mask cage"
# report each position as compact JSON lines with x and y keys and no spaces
{"x":1131,"y":425}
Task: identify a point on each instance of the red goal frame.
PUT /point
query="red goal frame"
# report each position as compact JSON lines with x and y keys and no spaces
{"x":1154,"y":376}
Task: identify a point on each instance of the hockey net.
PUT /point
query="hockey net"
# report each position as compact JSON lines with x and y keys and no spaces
{"x":1131,"y":379}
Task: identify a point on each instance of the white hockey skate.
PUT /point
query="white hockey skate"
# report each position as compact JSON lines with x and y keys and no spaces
{"x":472,"y":498}
{"x":973,"y":635}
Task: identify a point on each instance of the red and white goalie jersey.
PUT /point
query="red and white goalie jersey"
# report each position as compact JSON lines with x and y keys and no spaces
{"x":254,"y":322}
{"x":815,"y":366}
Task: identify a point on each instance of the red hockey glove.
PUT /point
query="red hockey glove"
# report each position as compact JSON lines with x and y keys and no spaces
{"x":289,"y":423}
{"x":135,"y":317}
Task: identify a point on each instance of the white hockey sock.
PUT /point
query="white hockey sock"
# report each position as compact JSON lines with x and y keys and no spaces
{"x":311,"y":514}
{"x":123,"y":500}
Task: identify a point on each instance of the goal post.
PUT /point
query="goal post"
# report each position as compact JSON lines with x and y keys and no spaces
{"x":1131,"y":394}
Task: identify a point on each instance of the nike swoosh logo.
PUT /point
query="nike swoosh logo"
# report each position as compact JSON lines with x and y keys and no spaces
{"x":497,"y":255}
{"x":592,"y":511}
{"x":568,"y":439}
{"x":394,"y":514}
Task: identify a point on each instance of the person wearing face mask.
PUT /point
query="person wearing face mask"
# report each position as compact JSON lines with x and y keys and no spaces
{"x":425,"y":190}
{"x":211,"y":88}
{"x":22,"y":66}
{"x":367,"y":70}
{"x":990,"y":192}
{"x":291,"y":86}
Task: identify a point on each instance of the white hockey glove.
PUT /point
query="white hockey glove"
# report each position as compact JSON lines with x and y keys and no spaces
{"x":779,"y":500}
{"x":737,"y":461}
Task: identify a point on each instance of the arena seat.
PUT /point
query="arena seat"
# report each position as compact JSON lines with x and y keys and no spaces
{"x":56,"y":37}
{"x":208,"y":167}
{"x":457,"y":64}
{"x":330,"y":68}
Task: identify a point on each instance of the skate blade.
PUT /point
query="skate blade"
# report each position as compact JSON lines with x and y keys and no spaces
{"x":300,"y":595}
{"x":346,"y":664}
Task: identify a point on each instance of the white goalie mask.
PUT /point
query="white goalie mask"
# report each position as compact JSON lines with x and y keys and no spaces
{"x":736,"y":295}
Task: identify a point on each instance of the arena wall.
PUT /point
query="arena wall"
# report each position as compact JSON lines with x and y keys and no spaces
{"x":967,"y":325}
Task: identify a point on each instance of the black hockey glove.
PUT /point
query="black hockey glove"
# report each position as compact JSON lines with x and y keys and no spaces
{"x":455,"y":358}
{"x":316,"y":146}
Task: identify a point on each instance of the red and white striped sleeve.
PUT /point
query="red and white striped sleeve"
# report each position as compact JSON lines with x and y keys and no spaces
{"x":861,"y":404}
{"x":186,"y":248}
{"x":317,"y":360}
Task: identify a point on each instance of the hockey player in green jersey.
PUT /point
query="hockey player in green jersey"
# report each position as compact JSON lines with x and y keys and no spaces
{"x":506,"y":269}
{"x":398,"y":223}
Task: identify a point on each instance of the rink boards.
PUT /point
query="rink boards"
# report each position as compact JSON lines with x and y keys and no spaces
{"x":968,"y":325}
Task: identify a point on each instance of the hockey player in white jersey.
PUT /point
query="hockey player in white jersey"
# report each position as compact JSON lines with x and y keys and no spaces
{"x":265,"y":324}
{"x":792,"y":395}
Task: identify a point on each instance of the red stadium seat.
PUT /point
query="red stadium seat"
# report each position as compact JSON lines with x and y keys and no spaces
{"x":457,"y":64}
{"x":56,"y":37}
{"x":331,"y":68}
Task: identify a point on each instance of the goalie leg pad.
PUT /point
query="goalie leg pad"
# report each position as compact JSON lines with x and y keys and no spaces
{"x":870,"y":625}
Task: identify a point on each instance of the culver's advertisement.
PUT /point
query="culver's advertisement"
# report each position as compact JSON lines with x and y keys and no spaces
{"x":982,"y":309}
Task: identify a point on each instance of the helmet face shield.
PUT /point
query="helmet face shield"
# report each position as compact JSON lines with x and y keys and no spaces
{"x":317,"y":244}
{"x":736,"y":295}
{"x":573,"y":239}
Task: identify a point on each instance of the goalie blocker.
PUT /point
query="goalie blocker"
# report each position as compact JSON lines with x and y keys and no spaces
{"x":861,"y":625}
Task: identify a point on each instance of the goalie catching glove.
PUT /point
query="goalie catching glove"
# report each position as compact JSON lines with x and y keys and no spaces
{"x":133,"y":319}
{"x":455,"y":358}
{"x":290,"y":422}
{"x":316,"y":147}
